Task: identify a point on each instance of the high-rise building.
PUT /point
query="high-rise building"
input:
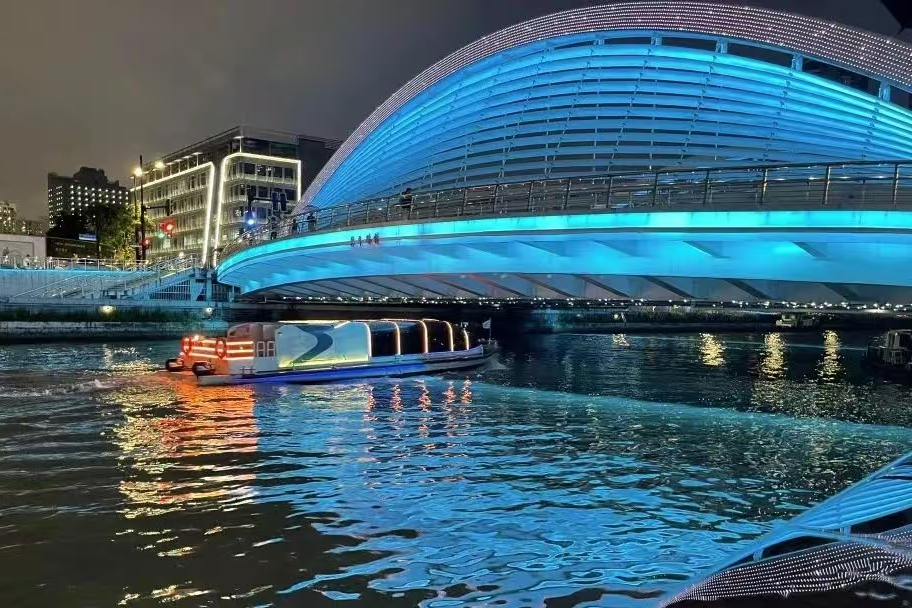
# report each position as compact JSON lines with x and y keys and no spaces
{"x":204,"y":187}
{"x":7,"y":217}
{"x":74,"y":195}
{"x":31,"y":227}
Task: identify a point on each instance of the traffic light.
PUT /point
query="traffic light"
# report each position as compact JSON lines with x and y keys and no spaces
{"x":166,"y":227}
{"x":146,"y":242}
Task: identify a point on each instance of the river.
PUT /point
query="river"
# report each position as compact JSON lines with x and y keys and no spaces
{"x":580,"y":469}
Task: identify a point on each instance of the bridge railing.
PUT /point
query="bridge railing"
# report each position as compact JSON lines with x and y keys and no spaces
{"x":27,"y":262}
{"x":104,"y":277}
{"x":860,"y":185}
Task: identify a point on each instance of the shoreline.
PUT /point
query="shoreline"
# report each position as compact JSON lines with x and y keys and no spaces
{"x":29,"y":332}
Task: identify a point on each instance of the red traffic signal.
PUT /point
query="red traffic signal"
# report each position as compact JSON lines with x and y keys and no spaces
{"x":167,"y":225}
{"x":146,"y":242}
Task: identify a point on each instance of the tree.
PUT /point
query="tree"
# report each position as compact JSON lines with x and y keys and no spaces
{"x":117,"y":230}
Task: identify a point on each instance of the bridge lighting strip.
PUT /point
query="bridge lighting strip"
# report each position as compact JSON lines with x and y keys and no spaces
{"x":843,"y":220}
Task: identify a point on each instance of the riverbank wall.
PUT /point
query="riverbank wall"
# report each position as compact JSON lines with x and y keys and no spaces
{"x":20,"y":332}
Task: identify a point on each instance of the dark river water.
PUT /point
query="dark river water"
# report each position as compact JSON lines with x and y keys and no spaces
{"x":581,"y":470}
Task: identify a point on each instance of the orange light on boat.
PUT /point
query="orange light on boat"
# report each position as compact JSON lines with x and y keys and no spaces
{"x":186,"y":345}
{"x":221,"y":348}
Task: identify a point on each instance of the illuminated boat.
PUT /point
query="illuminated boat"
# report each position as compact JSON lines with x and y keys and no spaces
{"x":326,"y":351}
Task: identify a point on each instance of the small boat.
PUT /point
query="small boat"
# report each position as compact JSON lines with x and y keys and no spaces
{"x":793,"y":321}
{"x":327,"y":351}
{"x":891,"y":354}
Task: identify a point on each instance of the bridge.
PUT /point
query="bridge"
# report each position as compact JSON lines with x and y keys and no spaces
{"x":836,"y":232}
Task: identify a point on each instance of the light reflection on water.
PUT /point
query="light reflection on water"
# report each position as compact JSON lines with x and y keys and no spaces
{"x":589,"y":467}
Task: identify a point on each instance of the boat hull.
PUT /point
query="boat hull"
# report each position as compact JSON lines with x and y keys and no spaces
{"x":358,"y":372}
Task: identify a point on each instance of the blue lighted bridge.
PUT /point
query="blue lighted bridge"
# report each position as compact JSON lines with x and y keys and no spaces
{"x":828,"y":233}
{"x":654,"y":150}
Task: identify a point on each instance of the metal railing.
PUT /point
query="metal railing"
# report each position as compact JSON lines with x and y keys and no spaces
{"x":27,"y":262}
{"x":838,"y":186}
{"x":105,"y":280}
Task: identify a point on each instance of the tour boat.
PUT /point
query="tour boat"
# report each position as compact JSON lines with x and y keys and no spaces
{"x":326,"y":351}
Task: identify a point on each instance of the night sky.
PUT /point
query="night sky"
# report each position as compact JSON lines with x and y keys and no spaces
{"x":97,"y":82}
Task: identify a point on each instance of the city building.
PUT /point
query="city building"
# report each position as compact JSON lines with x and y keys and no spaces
{"x":637,"y":86}
{"x":73,"y":195}
{"x":31,"y":227}
{"x":204,"y":187}
{"x":7,"y":217}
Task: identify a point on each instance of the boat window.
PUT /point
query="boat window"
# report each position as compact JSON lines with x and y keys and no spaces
{"x":438,"y":337}
{"x":383,"y":339}
{"x":411,"y":337}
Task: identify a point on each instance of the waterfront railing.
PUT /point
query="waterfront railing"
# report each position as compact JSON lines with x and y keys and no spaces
{"x":861,"y":185}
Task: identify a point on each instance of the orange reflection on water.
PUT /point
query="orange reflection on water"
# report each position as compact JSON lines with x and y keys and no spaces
{"x":169,"y":456}
{"x":466,"y":396}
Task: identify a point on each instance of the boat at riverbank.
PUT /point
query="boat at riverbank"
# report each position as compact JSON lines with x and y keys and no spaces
{"x":891,"y":355}
{"x":327,"y":351}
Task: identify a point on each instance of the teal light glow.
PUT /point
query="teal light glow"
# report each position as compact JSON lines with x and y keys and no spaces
{"x":753,"y":244}
{"x":584,"y":103}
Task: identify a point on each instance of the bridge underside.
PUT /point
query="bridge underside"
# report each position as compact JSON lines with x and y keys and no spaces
{"x":824,"y":256}
{"x":528,"y":286}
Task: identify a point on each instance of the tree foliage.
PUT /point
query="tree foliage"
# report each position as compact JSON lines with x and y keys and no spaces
{"x":115,"y":226}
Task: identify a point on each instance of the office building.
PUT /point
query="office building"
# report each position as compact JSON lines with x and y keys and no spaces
{"x":74,"y":195}
{"x":204,"y":187}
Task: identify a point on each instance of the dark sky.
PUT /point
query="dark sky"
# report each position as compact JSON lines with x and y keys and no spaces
{"x":97,"y":82}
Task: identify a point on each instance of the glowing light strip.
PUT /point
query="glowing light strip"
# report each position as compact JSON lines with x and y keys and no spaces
{"x":450,"y":332}
{"x":424,"y":327}
{"x":871,"y":53}
{"x":160,"y":180}
{"x":210,"y":190}
{"x":850,"y":220}
{"x":210,"y":185}
{"x":465,"y":335}
{"x":221,"y":189}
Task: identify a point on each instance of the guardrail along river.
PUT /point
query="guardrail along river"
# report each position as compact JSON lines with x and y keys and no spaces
{"x":581,"y":469}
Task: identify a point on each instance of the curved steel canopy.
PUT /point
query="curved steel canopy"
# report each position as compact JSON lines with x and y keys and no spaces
{"x":596,"y":90}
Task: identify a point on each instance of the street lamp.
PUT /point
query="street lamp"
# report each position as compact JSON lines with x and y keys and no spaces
{"x":159,"y":164}
{"x":137,"y":172}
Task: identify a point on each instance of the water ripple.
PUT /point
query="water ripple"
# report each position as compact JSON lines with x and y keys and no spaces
{"x":588,"y":469}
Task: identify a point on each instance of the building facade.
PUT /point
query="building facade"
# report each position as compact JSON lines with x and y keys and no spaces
{"x":204,"y":187}
{"x":74,"y":195}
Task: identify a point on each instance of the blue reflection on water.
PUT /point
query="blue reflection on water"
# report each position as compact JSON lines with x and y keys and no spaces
{"x":592,"y":468}
{"x":534,"y":494}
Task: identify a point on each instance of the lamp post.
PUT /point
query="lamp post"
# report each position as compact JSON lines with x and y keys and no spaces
{"x":138,"y":174}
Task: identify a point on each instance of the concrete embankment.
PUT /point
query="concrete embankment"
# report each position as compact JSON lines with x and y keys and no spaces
{"x":18,"y":332}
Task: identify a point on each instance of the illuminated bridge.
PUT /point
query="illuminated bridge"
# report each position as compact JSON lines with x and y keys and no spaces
{"x":655,"y":150}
